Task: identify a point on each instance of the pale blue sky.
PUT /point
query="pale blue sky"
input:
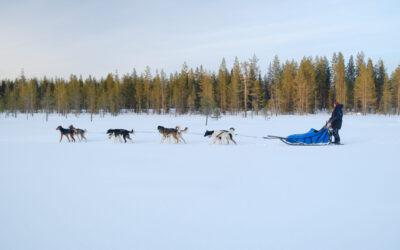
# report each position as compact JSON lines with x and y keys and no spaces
{"x":59,"y":38}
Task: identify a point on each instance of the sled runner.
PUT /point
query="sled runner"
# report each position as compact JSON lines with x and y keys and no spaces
{"x":311,"y":138}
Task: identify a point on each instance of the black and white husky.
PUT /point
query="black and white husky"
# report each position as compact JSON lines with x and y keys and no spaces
{"x":221,"y":135}
{"x":117,"y":133}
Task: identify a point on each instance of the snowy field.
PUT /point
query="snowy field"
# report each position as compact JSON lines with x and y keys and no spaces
{"x":259,"y":194}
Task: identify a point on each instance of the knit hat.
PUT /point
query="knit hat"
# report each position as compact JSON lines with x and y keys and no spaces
{"x":336,"y":103}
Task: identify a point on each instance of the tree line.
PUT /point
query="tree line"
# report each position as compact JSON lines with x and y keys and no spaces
{"x":286,"y":88}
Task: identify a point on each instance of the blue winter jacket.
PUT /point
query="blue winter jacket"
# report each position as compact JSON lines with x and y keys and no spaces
{"x":336,"y":118}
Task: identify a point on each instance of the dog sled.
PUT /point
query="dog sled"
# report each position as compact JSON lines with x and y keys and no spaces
{"x":311,"y":138}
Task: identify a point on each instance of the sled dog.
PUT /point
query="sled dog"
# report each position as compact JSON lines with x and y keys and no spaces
{"x":175,"y":133}
{"x":66,"y":132}
{"x":221,"y":135}
{"x":117,"y":133}
{"x":80,"y":133}
{"x":179,"y":133}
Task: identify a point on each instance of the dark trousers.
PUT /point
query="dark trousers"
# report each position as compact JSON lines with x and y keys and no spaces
{"x":335,"y":133}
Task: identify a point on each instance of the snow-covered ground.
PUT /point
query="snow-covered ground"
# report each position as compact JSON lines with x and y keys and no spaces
{"x":260,"y":194}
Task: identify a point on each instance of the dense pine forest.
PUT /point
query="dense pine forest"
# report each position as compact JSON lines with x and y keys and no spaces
{"x":288,"y":87}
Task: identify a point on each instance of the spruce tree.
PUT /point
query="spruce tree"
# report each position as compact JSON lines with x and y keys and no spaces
{"x":131,"y":94}
{"x":182,"y":89}
{"x":350,"y":79}
{"x":127,"y":92}
{"x":147,"y":88}
{"x":287,"y":88}
{"x":234,"y":89}
{"x":252,"y":78}
{"x":92,"y":96}
{"x":175,"y":92}
{"x":117,"y":95}
{"x":395,"y":82}
{"x":28,"y":96}
{"x":139,"y":94}
{"x":103,"y":102}
{"x":59,"y":95}
{"x":360,"y":61}
{"x":371,"y":72}
{"x":268,"y":79}
{"x":380,"y":74}
{"x":2,"y":90}
{"x":245,"y":90}
{"x":109,"y":91}
{"x":156,"y":94}
{"x":387,"y":96}
{"x":192,"y":92}
{"x":222,"y":85}
{"x":13,"y":99}
{"x":339,"y":81}
{"x":364,"y":89}
{"x":74,"y":93}
{"x":305,"y":87}
{"x":47,"y":100}
{"x":326,"y":83}
{"x":6,"y":96}
{"x":256,"y":95}
{"x":206,"y":95}
{"x":163,"y":83}
{"x":275,"y":86}
{"x":170,"y":92}
{"x":24,"y":98}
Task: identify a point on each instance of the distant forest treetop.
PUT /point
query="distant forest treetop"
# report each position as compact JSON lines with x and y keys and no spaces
{"x":289,"y":87}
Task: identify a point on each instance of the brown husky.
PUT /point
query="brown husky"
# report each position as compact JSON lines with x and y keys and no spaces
{"x":80,"y":133}
{"x":176,"y":133}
